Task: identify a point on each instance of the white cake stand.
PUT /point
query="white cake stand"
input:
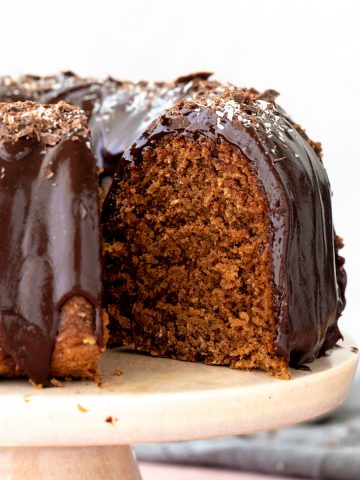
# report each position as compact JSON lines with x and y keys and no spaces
{"x":83,"y":431}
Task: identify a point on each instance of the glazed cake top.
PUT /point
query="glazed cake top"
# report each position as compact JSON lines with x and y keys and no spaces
{"x":118,"y":111}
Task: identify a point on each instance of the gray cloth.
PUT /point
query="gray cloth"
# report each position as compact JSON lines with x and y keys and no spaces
{"x":328,"y":449}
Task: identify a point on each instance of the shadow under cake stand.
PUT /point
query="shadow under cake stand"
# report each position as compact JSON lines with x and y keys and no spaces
{"x":83,"y":431}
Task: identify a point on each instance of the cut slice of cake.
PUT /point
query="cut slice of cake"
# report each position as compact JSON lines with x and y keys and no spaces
{"x":219,"y":242}
{"x":51,"y":323}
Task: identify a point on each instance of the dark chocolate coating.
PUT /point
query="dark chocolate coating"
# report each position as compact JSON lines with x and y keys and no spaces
{"x":118,"y":111}
{"x":307,"y":296}
{"x":126,"y":109}
{"x":83,"y":93}
{"x":49,"y":245}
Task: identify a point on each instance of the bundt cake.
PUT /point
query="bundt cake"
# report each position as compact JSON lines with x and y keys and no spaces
{"x":50,"y":267}
{"x":218,"y":237}
{"x":219,"y":242}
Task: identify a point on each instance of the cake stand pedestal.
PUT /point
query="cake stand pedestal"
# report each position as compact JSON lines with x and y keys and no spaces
{"x":83,"y":431}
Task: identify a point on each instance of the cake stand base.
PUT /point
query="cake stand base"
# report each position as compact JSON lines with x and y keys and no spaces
{"x":68,"y":463}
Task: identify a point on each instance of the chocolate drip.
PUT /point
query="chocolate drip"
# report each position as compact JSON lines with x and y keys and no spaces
{"x":307,"y":296}
{"x":49,"y":245}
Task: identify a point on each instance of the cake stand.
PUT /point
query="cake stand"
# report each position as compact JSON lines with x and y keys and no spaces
{"x":84,"y":431}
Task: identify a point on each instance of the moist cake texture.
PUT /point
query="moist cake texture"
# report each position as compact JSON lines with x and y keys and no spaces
{"x":50,"y":271}
{"x":211,"y":227}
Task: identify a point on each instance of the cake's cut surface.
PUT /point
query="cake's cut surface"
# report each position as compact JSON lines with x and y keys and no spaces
{"x":50,"y":274}
{"x":211,"y":226}
{"x":192,"y":258}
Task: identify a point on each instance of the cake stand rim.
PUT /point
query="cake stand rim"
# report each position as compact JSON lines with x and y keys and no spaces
{"x":54,"y":418}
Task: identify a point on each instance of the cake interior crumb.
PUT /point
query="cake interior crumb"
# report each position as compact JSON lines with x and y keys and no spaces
{"x":188,"y":266}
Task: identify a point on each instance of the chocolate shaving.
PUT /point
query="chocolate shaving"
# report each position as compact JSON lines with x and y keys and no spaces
{"x":193,"y":76}
{"x":177,"y":122}
{"x":268,"y":95}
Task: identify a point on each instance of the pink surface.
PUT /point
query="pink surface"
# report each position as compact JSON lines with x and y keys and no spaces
{"x":153,"y":471}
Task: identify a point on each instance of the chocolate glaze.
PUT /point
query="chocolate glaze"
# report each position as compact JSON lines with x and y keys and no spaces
{"x":308,"y":275}
{"x":66,"y":86}
{"x":126,"y":109}
{"x":49,"y":244}
{"x":118,"y":111}
{"x":82,"y":92}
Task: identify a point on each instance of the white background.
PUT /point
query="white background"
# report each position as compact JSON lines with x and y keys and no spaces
{"x":309,"y":50}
